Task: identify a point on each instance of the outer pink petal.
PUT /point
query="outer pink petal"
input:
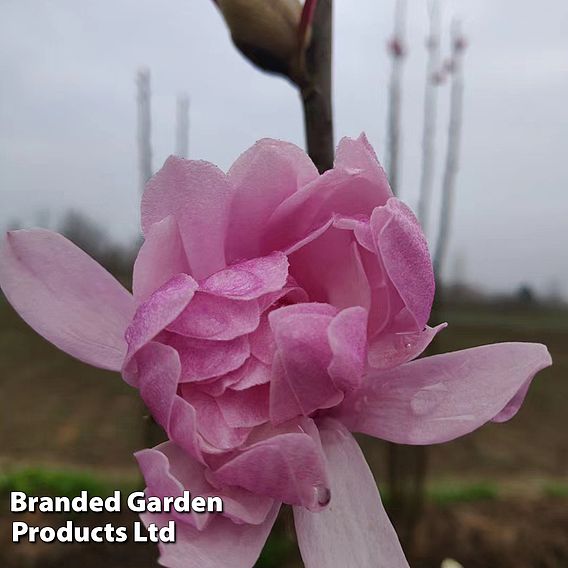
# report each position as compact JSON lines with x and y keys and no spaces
{"x":159,"y":310}
{"x":198,"y":195}
{"x":354,"y":530}
{"x":217,"y":318}
{"x":66,"y":296}
{"x":439,"y":398}
{"x":405,"y":255}
{"x":288,"y":467}
{"x":263,"y":177}
{"x":161,"y":257}
{"x":223,"y":544}
{"x":250,"y":279}
{"x":256,"y":373}
{"x":157,"y":374}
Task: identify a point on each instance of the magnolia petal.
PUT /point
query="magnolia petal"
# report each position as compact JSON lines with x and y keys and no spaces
{"x":250,"y":279}
{"x":358,"y":154}
{"x":288,"y":467}
{"x":66,"y":296}
{"x":347,"y":336}
{"x":404,"y":253}
{"x":202,"y":359}
{"x":198,"y":195}
{"x":159,"y":370}
{"x":390,"y":350}
{"x":159,"y":310}
{"x":157,"y":375}
{"x":262,"y":344}
{"x":300,"y":382}
{"x":244,"y":408}
{"x":439,"y":398}
{"x":337,"y":191}
{"x":211,"y":422}
{"x":330,"y":269}
{"x":263,"y":177}
{"x":354,"y":530}
{"x":216,"y":318}
{"x":255,"y":373}
{"x":161,"y":257}
{"x":223,"y":544}
{"x":168,"y":471}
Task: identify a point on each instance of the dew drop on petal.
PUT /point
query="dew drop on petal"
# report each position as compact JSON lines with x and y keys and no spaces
{"x":427,"y":399}
{"x":323,"y":495}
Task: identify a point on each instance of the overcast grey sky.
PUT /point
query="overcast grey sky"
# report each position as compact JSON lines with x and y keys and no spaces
{"x":67,"y":113}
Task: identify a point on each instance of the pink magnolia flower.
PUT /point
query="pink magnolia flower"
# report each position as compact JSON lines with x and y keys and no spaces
{"x":274,"y":312}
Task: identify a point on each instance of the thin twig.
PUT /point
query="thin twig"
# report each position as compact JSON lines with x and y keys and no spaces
{"x":453,"y":150}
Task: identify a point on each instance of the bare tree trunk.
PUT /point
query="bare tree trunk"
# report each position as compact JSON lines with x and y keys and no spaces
{"x":316,"y":92}
{"x":144,"y":128}
{"x":453,"y":151}
{"x":397,"y":52}
{"x":182,"y":126}
{"x":433,"y":78}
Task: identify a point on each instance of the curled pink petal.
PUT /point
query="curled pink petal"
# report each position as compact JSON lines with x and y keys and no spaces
{"x":354,"y":530}
{"x":159,"y":310}
{"x":250,"y":279}
{"x":66,"y":296}
{"x":337,"y":191}
{"x":439,"y":398}
{"x":168,"y":471}
{"x":404,"y":253}
{"x":288,"y":467}
{"x":392,"y":349}
{"x":157,"y":372}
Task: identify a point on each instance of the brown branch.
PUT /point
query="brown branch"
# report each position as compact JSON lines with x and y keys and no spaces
{"x":316,"y":91}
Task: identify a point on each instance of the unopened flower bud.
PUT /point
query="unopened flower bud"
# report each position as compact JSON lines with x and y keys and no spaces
{"x":267,"y":33}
